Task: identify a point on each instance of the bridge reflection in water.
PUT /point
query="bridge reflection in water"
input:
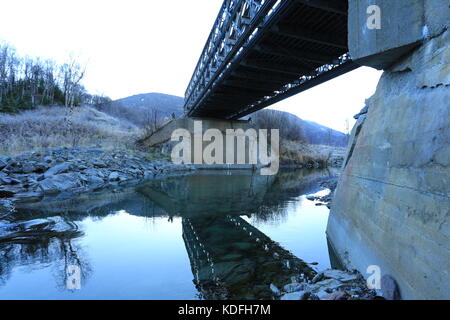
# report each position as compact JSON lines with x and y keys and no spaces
{"x":230,"y":258}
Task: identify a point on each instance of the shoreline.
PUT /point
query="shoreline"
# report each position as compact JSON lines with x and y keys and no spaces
{"x":64,"y":170}
{"x":60,"y":171}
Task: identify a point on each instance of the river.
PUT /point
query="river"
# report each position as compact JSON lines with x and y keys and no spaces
{"x":207,"y":235}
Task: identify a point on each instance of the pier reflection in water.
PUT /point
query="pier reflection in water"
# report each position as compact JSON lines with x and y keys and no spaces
{"x":211,"y":235}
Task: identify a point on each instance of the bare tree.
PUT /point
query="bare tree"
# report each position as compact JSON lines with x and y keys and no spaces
{"x":71,"y":74}
{"x":289,"y":125}
{"x":30,"y":82}
{"x":152,"y":121}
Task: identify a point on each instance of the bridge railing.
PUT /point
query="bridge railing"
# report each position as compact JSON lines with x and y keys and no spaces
{"x":236,"y":22}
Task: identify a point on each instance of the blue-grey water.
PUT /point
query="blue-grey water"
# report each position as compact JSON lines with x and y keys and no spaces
{"x":210,"y":235}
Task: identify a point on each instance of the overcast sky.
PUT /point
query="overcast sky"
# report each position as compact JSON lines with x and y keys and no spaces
{"x":140,"y":46}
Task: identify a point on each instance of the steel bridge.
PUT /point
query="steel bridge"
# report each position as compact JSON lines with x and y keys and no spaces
{"x":260,"y":52}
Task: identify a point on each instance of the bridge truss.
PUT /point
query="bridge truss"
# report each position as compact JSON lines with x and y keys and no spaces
{"x":260,"y":52}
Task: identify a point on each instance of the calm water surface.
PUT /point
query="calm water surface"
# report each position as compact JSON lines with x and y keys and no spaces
{"x":212,"y":235}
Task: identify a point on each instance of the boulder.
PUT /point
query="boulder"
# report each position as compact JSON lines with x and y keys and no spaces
{"x":59,"y":168}
{"x":337,"y":295}
{"x":340,"y":275}
{"x":9,"y":180}
{"x":390,"y":288}
{"x":48,"y":159}
{"x":114,"y":176}
{"x":326,"y":285}
{"x":60,"y":182}
{"x":99,"y":164}
{"x":29,"y":167}
{"x":299,"y":295}
{"x":4,"y":161}
{"x":293,"y":287}
{"x":92,"y":181}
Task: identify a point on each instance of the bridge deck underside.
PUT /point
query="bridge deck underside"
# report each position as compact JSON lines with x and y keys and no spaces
{"x":299,"y":46}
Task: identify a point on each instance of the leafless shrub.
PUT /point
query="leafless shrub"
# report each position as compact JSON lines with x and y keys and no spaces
{"x":152,"y":122}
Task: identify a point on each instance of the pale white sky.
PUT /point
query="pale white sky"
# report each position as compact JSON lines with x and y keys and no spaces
{"x":140,"y":46}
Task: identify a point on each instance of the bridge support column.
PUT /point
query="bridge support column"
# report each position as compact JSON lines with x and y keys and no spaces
{"x":390,"y":212}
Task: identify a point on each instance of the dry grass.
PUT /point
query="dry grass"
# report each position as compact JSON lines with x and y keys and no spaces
{"x":59,"y":127}
{"x":296,"y":152}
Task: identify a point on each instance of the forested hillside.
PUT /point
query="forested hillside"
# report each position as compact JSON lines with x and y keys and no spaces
{"x":26,"y":83}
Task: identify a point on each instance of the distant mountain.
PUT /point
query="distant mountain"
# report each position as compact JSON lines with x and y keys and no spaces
{"x":164,"y":103}
{"x":319,"y":134}
{"x":293,"y":128}
{"x":139,"y":108}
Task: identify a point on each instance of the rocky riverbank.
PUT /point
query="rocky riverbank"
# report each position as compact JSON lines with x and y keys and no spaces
{"x":326,"y":199}
{"x":330,"y":284}
{"x":75,"y":170}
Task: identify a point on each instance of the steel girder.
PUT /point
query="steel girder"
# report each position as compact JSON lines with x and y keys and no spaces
{"x":237,"y":32}
{"x":235,"y":23}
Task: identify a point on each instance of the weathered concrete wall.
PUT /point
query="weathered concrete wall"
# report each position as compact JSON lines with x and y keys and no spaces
{"x":161,"y":139}
{"x":404,"y":25}
{"x":392,"y":204}
{"x":164,"y":134}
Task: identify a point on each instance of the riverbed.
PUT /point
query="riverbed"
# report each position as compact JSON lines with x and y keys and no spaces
{"x":204,"y":235}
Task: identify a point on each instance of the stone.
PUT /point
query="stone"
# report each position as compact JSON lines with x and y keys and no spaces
{"x":14,"y":167}
{"x":92,"y":180}
{"x":5,"y":180}
{"x":59,"y":168}
{"x":293,"y":295}
{"x":340,"y":275}
{"x":94,"y":172}
{"x":6,"y":207}
{"x":99,"y":164}
{"x":114,"y":176}
{"x":6,"y":194}
{"x":292,"y":287}
{"x":4,"y":161}
{"x":60,"y":182}
{"x":29,"y":167}
{"x":337,"y":295}
{"x":48,"y":159}
{"x":274,"y":289}
{"x":390,"y":288}
{"x":327,"y":284}
{"x":318,"y":277}
{"x":9,"y":180}
{"x":322,"y":294}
